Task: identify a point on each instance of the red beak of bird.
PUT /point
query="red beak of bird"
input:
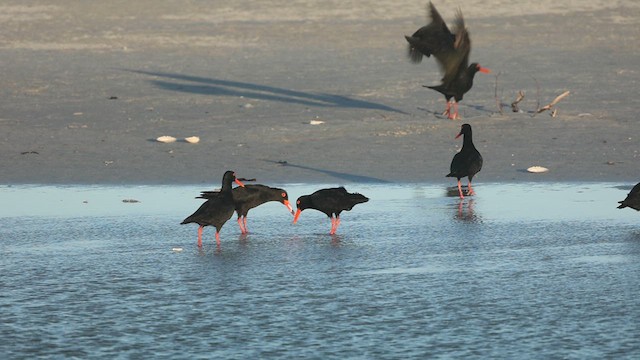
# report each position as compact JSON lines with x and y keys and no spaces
{"x":288,"y":205}
{"x":296,"y":216}
{"x":239,"y":182}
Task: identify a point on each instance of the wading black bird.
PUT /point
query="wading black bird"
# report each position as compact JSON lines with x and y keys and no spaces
{"x":632,"y":200}
{"x":250,"y":196}
{"x":451,"y":50}
{"x":467,"y":162}
{"x":217,"y":209}
{"x":331,"y":202}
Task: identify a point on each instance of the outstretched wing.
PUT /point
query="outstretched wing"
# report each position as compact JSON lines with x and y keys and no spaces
{"x":455,"y":58}
{"x":430,"y":39}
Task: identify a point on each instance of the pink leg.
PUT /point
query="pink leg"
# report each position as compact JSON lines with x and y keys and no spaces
{"x":470,"y":191}
{"x":333,"y":226}
{"x":455,"y":112}
{"x":240,"y":224}
{"x":460,"y":190}
{"x":246,"y":229}
{"x":218,"y":238}
{"x":337,"y":224}
{"x":200,"y":236}
{"x":447,"y":111}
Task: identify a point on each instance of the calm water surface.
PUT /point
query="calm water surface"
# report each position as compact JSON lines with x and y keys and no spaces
{"x":518,"y":271}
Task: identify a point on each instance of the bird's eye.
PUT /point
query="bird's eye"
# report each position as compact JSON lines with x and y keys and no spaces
{"x":298,"y":202}
{"x":284,"y":194}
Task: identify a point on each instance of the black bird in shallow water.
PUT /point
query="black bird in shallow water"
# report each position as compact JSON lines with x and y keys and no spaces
{"x":467,"y":162}
{"x":250,"y":196}
{"x":451,"y":50}
{"x":331,"y":202}
{"x":217,"y":209}
{"x":632,"y":200}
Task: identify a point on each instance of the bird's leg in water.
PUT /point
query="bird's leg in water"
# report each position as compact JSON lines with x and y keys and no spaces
{"x":470,"y":190}
{"x":335,"y":222}
{"x":244,"y":220}
{"x":243,"y":229}
{"x":218,"y":239}
{"x":200,"y":236}
{"x":460,"y":190}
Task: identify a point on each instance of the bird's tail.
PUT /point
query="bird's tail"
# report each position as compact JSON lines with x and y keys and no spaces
{"x":622,"y":205}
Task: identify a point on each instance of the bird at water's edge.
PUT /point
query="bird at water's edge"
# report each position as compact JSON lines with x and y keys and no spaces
{"x":331,"y":202}
{"x":467,"y":162}
{"x":250,"y":196}
{"x":632,"y":200}
{"x":216,"y":210}
{"x":451,"y":50}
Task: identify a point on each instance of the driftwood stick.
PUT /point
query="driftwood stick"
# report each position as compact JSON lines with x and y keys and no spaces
{"x":498,"y":100}
{"x":514,"y":105}
{"x":554,"y":102}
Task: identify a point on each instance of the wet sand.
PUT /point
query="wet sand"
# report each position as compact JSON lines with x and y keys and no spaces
{"x":87,"y":87}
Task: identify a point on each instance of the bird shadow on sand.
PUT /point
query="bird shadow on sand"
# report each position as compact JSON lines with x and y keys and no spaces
{"x":219,"y":87}
{"x":339,"y":175}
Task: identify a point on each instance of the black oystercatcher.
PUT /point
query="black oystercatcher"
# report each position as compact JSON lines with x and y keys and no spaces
{"x":216,"y":210}
{"x":250,"y":196}
{"x":451,"y":50}
{"x":331,"y":202}
{"x":632,"y":200}
{"x":467,"y":162}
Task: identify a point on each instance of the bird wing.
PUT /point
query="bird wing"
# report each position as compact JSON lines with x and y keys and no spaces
{"x":454,"y":58}
{"x":431,"y":38}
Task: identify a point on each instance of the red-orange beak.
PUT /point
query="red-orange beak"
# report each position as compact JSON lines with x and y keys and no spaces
{"x":286,"y":203}
{"x":296,"y":216}
{"x":459,"y":134}
{"x":484,"y":70}
{"x":239,"y":182}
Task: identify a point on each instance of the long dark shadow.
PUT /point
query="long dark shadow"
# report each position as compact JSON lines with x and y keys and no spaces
{"x":218,"y":87}
{"x":335,"y":174}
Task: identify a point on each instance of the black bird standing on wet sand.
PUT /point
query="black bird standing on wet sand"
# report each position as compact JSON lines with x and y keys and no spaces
{"x":217,"y":209}
{"x":331,"y":202}
{"x":467,"y":162}
{"x":632,"y":200}
{"x":451,"y":50}
{"x":250,"y":196}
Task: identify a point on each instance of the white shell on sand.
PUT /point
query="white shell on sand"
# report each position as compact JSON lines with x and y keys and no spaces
{"x":316,"y":122}
{"x":537,"y":169}
{"x":192,"y":139}
{"x":166,"y":139}
{"x":177,"y":249}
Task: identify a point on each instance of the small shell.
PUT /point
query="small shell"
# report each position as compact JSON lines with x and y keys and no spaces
{"x":192,"y":139}
{"x":537,"y":169}
{"x":166,"y":139}
{"x":316,"y":122}
{"x":177,"y":249}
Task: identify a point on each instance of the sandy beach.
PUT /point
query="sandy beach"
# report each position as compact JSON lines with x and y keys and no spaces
{"x":87,"y":86}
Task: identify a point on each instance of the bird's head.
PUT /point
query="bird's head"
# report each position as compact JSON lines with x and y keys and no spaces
{"x":302,"y":203}
{"x":284,"y":198}
{"x":475,"y":67}
{"x":465,"y":129}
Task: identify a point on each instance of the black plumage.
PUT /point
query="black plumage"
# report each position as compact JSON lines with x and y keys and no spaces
{"x":467,"y":162}
{"x":451,"y":50}
{"x":331,"y":202}
{"x":632,"y":200}
{"x":250,"y":196}
{"x":216,"y":210}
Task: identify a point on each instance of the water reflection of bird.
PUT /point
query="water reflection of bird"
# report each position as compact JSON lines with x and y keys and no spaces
{"x":451,"y":50}
{"x":250,"y":196}
{"x":468,"y":214}
{"x":330,"y":201}
{"x":467,"y":162}
{"x":217,"y":209}
{"x":632,"y":200}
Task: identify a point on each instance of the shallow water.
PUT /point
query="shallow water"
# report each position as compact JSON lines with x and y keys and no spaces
{"x":520,"y":270}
